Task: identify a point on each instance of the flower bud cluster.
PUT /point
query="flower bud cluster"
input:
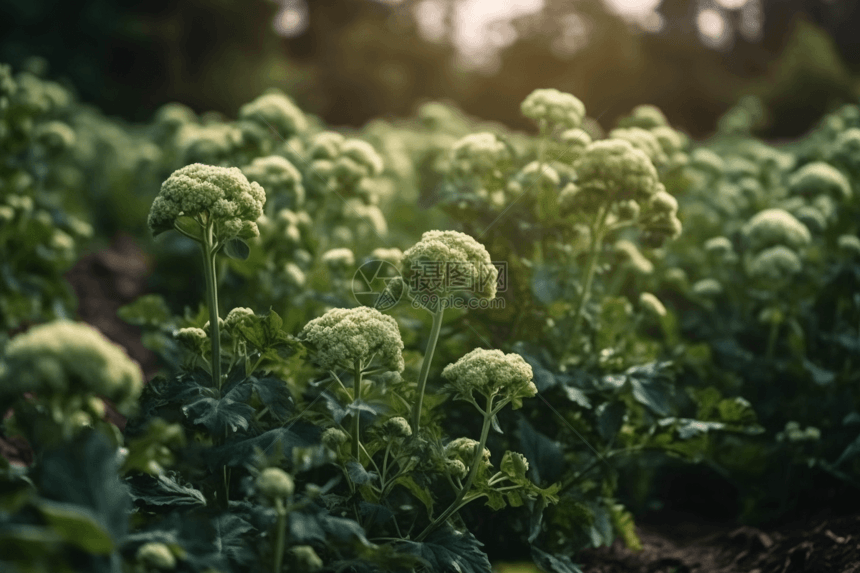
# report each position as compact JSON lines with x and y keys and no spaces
{"x":491,"y":373}
{"x":281,"y":180}
{"x":343,"y":336}
{"x":775,"y":239}
{"x":67,"y":358}
{"x":553,"y":108}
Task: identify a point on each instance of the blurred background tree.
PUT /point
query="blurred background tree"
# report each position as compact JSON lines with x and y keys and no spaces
{"x":351,"y":60}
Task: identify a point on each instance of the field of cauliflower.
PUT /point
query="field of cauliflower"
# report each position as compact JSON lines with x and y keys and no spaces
{"x":426,"y":345}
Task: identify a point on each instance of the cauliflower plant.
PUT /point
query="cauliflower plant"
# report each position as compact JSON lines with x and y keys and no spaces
{"x":774,"y":265}
{"x":819,"y":178}
{"x":275,"y":110}
{"x":279,"y":177}
{"x":205,"y":201}
{"x":343,"y":336}
{"x":550,"y":107}
{"x":64,"y":358}
{"x":491,"y":373}
{"x":775,"y":227}
{"x":449,"y":252}
{"x":611,"y":170}
{"x":213,"y":206}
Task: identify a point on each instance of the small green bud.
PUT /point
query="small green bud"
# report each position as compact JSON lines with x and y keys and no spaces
{"x":652,"y":304}
{"x":708,"y":288}
{"x":333,"y":438}
{"x":397,"y":427}
{"x":157,"y":555}
{"x":456,"y":468}
{"x":306,"y":558}
{"x":849,"y":245}
{"x":275,"y":483}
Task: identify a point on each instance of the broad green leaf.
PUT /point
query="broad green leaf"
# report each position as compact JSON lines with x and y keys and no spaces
{"x":237,"y":249}
{"x":232,"y":539}
{"x":422,"y":493}
{"x":358,"y":474}
{"x":165,"y":489}
{"x":546,"y":461}
{"x":84,"y":473}
{"x":553,"y":563}
{"x":447,"y":550}
{"x":279,"y":440}
{"x":77,"y":525}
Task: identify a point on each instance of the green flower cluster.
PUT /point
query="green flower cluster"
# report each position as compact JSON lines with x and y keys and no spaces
{"x":553,"y":108}
{"x":220,"y":198}
{"x":344,"y":336}
{"x":608,"y":171}
{"x":478,"y":154}
{"x":281,"y":180}
{"x":451,"y":250}
{"x":275,"y":110}
{"x":65,"y":359}
{"x":491,"y":373}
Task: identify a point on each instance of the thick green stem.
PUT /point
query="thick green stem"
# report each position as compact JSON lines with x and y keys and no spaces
{"x":356,"y":418}
{"x":280,"y":535}
{"x":771,"y":339}
{"x":425,"y":368}
{"x":473,"y":471}
{"x":212,"y":301}
{"x":594,"y":253}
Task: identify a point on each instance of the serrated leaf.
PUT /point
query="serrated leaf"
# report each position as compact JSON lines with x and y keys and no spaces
{"x":449,"y":551}
{"x":307,"y":526}
{"x":546,"y":461}
{"x":576,"y":396}
{"x":553,"y":563}
{"x":622,"y":521}
{"x":650,"y":393}
{"x":230,"y":539}
{"x":422,"y":493}
{"x":218,"y":414}
{"x":274,"y":393}
{"x":358,"y":474}
{"x":164,"y":489}
{"x":237,"y":249}
{"x":375,"y":513}
{"x":282,"y":440}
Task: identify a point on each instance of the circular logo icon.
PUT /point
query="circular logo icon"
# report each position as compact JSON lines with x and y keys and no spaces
{"x":377,"y":284}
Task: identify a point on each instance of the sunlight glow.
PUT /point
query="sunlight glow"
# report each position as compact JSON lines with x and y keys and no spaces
{"x":292,"y":19}
{"x":711,"y":25}
{"x":732,"y":4}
